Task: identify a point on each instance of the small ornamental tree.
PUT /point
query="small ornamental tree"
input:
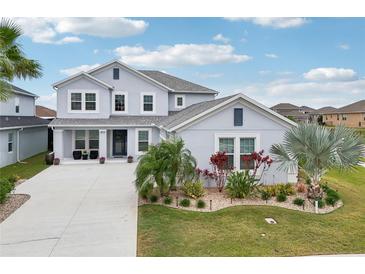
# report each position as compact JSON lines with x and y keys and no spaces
{"x":220,"y":169}
{"x":259,"y":161}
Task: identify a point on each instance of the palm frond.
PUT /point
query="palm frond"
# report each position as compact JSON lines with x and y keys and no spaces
{"x":6,"y":91}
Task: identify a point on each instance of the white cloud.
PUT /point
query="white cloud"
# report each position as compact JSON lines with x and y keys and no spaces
{"x":209,"y":75}
{"x":344,"y":46}
{"x":74,"y":70}
{"x":264,"y":72}
{"x":330,"y":74}
{"x":180,"y":55}
{"x":49,"y":30}
{"x":49,"y":101}
{"x":220,"y":38}
{"x":271,"y":55}
{"x":273,"y":22}
{"x":95,"y":51}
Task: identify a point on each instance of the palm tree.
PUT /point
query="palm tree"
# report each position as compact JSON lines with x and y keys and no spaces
{"x":181,"y":164}
{"x":13,"y":62}
{"x":165,"y":165}
{"x":317,"y":149}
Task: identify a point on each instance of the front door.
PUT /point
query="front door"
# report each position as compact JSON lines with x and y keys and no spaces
{"x":119,"y":142}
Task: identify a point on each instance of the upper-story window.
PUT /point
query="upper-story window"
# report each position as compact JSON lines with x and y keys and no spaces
{"x":238,"y":117}
{"x":179,"y":101}
{"x":120,"y":102}
{"x":148,"y":102}
{"x":344,"y":117}
{"x":10,"y":141}
{"x":116,"y":73}
{"x":17,"y":107}
{"x":83,"y":101}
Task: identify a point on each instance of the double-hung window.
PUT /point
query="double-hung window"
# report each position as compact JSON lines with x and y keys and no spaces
{"x":143,"y":140}
{"x":227,"y":145}
{"x":120,"y":101}
{"x":10,"y":141}
{"x":80,"y":137}
{"x":90,"y":101}
{"x":179,"y":101}
{"x":76,"y":101}
{"x":247,"y":146}
{"x":148,"y":103}
{"x":93,"y":139}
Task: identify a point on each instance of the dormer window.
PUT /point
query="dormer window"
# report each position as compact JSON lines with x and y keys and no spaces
{"x":179,"y":101}
{"x":116,"y":73}
{"x":17,"y":108}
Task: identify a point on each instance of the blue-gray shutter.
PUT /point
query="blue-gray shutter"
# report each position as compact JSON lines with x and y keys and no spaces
{"x":238,"y":117}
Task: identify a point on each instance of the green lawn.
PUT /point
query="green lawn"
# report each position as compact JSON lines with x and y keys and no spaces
{"x":31,"y":167}
{"x":237,"y":231}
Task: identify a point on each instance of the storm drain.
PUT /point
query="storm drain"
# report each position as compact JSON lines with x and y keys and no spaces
{"x":270,"y":221}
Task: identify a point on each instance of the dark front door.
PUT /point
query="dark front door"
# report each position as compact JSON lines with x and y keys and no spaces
{"x":120,"y":143}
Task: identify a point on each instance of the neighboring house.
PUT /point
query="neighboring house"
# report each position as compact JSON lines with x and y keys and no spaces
{"x":352,"y":115}
{"x":114,"y":111}
{"x":317,"y":115}
{"x":293,"y":112}
{"x":22,"y":134}
{"x":48,"y":114}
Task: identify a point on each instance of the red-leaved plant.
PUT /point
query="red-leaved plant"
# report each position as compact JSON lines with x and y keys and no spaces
{"x":220,"y":169}
{"x":259,"y":161}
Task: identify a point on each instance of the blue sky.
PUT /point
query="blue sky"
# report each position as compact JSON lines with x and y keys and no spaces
{"x":305,"y":61}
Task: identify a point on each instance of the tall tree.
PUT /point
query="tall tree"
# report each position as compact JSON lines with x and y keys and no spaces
{"x":13,"y":62}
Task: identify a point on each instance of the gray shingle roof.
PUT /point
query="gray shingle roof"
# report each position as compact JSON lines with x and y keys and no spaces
{"x":358,"y":106}
{"x":324,"y":110}
{"x":191,"y":111}
{"x":176,"y":83}
{"x":112,"y":121}
{"x":285,"y":106}
{"x":23,"y":91}
{"x":20,"y":121}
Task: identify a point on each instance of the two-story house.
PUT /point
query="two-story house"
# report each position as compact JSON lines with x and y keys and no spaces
{"x":22,"y":134}
{"x":114,"y":110}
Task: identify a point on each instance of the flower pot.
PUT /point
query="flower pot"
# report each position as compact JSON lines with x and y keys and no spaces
{"x":56,"y":161}
{"x":130,"y":159}
{"x":49,"y":158}
{"x":76,"y":155}
{"x":85,"y":156}
{"x":102,"y":160}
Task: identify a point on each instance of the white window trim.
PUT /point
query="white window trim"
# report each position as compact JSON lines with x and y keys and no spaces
{"x":136,"y":139}
{"x":153,"y":103}
{"x":83,"y":101}
{"x":183,"y":98}
{"x":125,"y":102}
{"x":12,"y":142}
{"x":87,"y":136}
{"x":237,"y":136}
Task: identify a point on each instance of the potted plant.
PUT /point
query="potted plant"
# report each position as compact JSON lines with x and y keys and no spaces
{"x":56,"y":161}
{"x":130,"y":159}
{"x":49,"y":158}
{"x":102,"y":160}
{"x":76,"y":154}
{"x":84,"y":155}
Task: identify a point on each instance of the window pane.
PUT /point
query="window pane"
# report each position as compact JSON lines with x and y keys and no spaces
{"x":179,"y":101}
{"x":148,"y":107}
{"x":10,"y":137}
{"x":80,"y":144}
{"x":76,"y":105}
{"x":75,"y":96}
{"x":246,"y":164}
{"x":90,"y":106}
{"x":80,"y":134}
{"x":90,"y":97}
{"x":116,"y":73}
{"x":93,"y":144}
{"x":143,"y":135}
{"x":10,"y":147}
{"x":94,"y":134}
{"x":142,"y":146}
{"x":230,"y":162}
{"x":119,"y":104}
{"x":226,"y":144}
{"x":148,"y":99}
{"x":17,"y":109}
{"x":247,"y":145}
{"x":238,"y":117}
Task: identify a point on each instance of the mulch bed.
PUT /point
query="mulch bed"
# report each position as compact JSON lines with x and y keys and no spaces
{"x":12,"y":203}
{"x":221,"y":200}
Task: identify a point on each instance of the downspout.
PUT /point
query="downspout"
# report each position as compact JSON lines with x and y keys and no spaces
{"x":18,"y":145}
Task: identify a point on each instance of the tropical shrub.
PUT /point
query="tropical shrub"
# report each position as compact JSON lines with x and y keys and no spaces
{"x":320,"y":203}
{"x":332,"y":197}
{"x":200,"y":204}
{"x":325,"y":187}
{"x":193,"y":189}
{"x":6,"y":187}
{"x":287,"y":189}
{"x":265,"y":194}
{"x":167,"y":200}
{"x":272,"y":189}
{"x":298,"y":201}
{"x":317,"y":149}
{"x":220,"y":169}
{"x":153,"y":198}
{"x":164,"y":165}
{"x":185,"y":202}
{"x":281,"y":197}
{"x":301,"y":187}
{"x":241,"y":184}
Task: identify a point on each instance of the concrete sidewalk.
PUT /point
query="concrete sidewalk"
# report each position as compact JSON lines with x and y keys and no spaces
{"x":75,"y":210}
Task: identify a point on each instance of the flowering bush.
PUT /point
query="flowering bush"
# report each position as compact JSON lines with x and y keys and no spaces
{"x":221,"y":170}
{"x":259,"y":161}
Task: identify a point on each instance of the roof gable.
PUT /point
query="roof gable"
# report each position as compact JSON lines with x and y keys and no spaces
{"x":358,"y":106}
{"x":82,"y":75}
{"x":23,"y":91}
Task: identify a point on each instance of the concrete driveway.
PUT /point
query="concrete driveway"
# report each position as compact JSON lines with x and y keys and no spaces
{"x":75,"y":210}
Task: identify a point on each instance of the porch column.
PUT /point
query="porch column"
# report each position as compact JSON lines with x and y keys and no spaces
{"x":58,"y":143}
{"x":102,"y":143}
